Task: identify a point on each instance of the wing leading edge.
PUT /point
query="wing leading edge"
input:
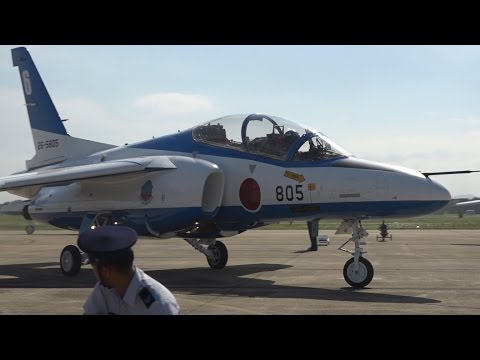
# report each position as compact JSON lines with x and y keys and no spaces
{"x":471,"y":202}
{"x":83,"y":172}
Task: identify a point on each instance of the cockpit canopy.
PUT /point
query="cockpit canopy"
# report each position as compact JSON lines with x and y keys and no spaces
{"x":269,"y":136}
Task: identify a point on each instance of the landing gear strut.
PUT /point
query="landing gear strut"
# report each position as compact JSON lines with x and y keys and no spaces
{"x":215,"y":251}
{"x":358,"y":271}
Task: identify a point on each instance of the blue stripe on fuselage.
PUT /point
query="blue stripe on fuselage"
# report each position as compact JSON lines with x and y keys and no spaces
{"x":235,"y":217}
{"x":331,"y":210}
{"x":162,"y":220}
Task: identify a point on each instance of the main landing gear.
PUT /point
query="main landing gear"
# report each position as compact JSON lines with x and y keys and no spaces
{"x":71,"y":258}
{"x":30,"y":228}
{"x":358,"y":271}
{"x":215,"y":251}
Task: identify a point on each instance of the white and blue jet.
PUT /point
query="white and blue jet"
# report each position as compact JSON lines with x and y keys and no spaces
{"x":216,"y":180}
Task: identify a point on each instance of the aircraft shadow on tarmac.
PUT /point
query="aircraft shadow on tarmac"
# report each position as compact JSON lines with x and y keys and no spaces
{"x":199,"y":281}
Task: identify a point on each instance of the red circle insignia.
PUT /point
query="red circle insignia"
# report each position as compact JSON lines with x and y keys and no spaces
{"x":250,"y":194}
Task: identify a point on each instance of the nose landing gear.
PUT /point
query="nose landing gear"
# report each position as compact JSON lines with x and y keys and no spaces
{"x":358,"y":271}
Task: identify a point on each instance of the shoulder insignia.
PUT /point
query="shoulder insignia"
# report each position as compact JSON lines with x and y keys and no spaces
{"x":146,"y":297}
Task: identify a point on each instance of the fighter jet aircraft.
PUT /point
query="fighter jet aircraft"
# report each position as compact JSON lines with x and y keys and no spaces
{"x":215,"y":180}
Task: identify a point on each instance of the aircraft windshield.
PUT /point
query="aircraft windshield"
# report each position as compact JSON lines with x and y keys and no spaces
{"x":269,"y":136}
{"x":317,"y":148}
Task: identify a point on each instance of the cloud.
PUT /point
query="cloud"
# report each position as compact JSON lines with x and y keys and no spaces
{"x":464,"y":120}
{"x":116,"y":125}
{"x":174,"y":103}
{"x":430,"y":152}
{"x":475,"y":134}
{"x":91,"y":120}
{"x":81,"y":109}
{"x":427,"y":152}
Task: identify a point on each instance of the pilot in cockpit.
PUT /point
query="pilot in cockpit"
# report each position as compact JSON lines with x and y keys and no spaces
{"x":289,"y":139}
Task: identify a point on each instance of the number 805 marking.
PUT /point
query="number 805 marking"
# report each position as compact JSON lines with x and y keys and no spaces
{"x":288,"y":194}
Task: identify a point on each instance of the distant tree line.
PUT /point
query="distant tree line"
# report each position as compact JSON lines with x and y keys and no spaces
{"x":450,"y":208}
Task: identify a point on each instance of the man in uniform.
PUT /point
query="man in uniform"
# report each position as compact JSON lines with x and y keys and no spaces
{"x":122,"y":288}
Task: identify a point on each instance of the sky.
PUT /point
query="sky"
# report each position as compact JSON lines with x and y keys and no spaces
{"x":414,"y":106}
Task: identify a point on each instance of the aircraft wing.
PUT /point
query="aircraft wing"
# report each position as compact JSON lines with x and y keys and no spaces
{"x":83,"y":172}
{"x":468,"y":203}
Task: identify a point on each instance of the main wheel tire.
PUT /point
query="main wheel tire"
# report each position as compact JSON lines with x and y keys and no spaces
{"x":70,"y":260}
{"x":220,"y":254}
{"x":29,"y":229}
{"x":360,"y":278}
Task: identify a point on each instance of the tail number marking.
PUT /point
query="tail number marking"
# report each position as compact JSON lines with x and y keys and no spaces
{"x":288,"y":194}
{"x":48,"y":144}
{"x":27,"y":86}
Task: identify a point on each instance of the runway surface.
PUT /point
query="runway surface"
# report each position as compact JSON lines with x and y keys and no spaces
{"x":268,"y":272}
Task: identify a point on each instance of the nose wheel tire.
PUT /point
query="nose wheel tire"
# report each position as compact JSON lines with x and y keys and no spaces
{"x":220,"y":255}
{"x":361,"y":277}
{"x":70,"y":260}
{"x":29,"y":229}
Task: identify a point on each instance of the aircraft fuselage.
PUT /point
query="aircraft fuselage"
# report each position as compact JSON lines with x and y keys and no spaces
{"x":256,"y":191}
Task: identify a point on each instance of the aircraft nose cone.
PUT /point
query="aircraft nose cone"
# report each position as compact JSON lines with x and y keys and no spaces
{"x":427,"y":196}
{"x":439,"y":192}
{"x":434,"y":196}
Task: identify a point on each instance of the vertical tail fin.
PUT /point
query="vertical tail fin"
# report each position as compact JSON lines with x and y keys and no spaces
{"x":41,"y":111}
{"x":51,"y":141}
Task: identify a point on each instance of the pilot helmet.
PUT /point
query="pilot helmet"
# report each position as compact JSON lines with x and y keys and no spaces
{"x":291,"y":135}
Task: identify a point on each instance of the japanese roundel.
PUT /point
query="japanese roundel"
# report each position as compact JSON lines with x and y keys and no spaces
{"x":250,"y":195}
